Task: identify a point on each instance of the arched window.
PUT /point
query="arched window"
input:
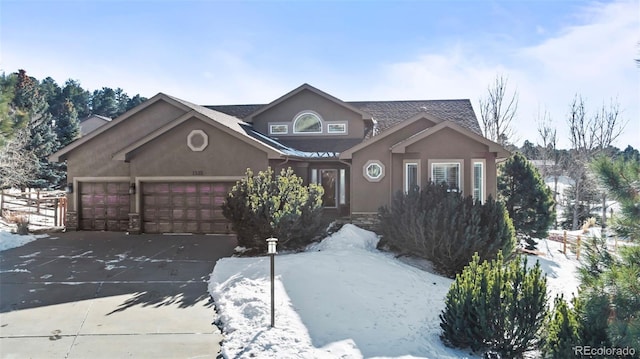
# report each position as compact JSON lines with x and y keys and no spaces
{"x":307,"y":122}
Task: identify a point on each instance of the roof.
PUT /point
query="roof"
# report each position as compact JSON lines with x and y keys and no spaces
{"x":105,"y":118}
{"x":388,"y":113}
{"x":385,"y":116}
{"x":232,"y":124}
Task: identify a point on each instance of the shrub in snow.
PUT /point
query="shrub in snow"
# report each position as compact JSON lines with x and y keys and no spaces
{"x":21,"y":220}
{"x":608,"y":303}
{"x":528,"y":199}
{"x":561,"y":334}
{"x":445,"y":227}
{"x":268,"y":205}
{"x":494,"y":306}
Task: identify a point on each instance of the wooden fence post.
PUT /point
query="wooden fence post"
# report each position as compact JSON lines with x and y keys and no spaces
{"x":56,"y":208}
{"x":38,"y":201}
{"x":564,"y":243}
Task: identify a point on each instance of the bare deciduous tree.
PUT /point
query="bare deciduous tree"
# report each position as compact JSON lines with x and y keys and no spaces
{"x":549,"y":153}
{"x":589,"y":136}
{"x":17,"y":165}
{"x":498,"y":110}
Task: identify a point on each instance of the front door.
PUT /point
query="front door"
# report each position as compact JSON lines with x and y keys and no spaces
{"x":334,"y":183}
{"x":328,"y":181}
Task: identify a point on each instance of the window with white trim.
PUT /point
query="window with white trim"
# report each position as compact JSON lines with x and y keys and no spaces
{"x":279,"y":129}
{"x":373,"y":171}
{"x":446,"y":173}
{"x":307,"y":122}
{"x":336,"y":128}
{"x":478,"y":180}
{"x":411,"y":175}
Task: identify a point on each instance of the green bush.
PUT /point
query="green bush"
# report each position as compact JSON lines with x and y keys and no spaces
{"x":608,"y":303}
{"x":268,"y":205}
{"x":496,"y":307}
{"x":561,"y":334}
{"x":445,"y":228}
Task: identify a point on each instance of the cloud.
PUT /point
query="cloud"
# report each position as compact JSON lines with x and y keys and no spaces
{"x":594,"y":59}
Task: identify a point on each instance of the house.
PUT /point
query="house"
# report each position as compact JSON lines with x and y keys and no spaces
{"x":167,"y":164}
{"x":91,"y":123}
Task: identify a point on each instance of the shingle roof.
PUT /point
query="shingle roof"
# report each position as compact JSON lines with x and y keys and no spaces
{"x":390,"y":113}
{"x":105,"y":118}
{"x":239,"y":111}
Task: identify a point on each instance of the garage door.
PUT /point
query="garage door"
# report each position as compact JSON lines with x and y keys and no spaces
{"x":104,"y":206}
{"x":184,"y":207}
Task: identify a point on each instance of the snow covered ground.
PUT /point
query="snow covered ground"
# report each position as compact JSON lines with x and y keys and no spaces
{"x":342,"y":298}
{"x":10,"y":240}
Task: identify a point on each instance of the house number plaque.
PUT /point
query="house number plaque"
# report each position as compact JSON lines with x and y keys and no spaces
{"x":197,"y":173}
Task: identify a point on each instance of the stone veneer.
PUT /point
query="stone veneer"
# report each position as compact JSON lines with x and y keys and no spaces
{"x":368,"y":221}
{"x":71,"y":222}
{"x":134,"y":223}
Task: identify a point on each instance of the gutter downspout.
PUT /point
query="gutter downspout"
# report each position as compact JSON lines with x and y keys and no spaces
{"x":390,"y":176}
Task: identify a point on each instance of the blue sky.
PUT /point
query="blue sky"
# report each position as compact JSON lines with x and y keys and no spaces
{"x":222,"y":52}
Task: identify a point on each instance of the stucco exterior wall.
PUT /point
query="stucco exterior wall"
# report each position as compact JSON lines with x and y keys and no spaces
{"x":286,"y":111}
{"x":368,"y":196}
{"x":169,"y":154}
{"x":94,"y":158}
{"x":446,"y":144}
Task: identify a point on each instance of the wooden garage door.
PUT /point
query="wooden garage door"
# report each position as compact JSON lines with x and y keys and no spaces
{"x":104,"y":206}
{"x":184,"y":207}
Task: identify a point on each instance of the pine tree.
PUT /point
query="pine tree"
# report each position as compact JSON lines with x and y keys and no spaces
{"x":621,"y":178}
{"x":269,"y":205}
{"x":495,"y":306}
{"x":561,"y":333}
{"x":104,"y":102}
{"x":67,"y":124}
{"x":80,"y":97}
{"x":528,"y":199}
{"x":42,"y":140}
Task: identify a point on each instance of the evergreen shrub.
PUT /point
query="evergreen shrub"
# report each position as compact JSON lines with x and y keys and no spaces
{"x":269,"y":205}
{"x":495,"y":307}
{"x":445,"y":228}
{"x":562,"y":331}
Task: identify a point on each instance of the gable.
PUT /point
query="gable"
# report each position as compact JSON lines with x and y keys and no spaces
{"x":394,"y":135}
{"x":447,"y":138}
{"x":120,"y":132}
{"x":309,"y":105}
{"x":195,"y":147}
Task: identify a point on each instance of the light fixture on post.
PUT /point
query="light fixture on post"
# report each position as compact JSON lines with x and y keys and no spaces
{"x":271,"y":250}
{"x":132,"y":188}
{"x":69,"y":188}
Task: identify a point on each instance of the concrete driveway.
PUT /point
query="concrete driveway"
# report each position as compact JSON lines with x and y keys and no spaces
{"x":110,"y":295}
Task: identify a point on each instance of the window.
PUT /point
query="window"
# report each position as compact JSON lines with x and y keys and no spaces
{"x":373,"y":171}
{"x":307,"y":122}
{"x":278,"y":129}
{"x":343,"y":184}
{"x":411,"y":175}
{"x":478,"y":181}
{"x":197,"y":140}
{"x":446,"y":173}
{"x":337,"y":128}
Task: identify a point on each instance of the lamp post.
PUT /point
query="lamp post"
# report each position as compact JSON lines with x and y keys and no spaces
{"x":271,"y":250}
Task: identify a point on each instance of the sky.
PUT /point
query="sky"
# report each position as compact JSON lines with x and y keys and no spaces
{"x":241,"y":52}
